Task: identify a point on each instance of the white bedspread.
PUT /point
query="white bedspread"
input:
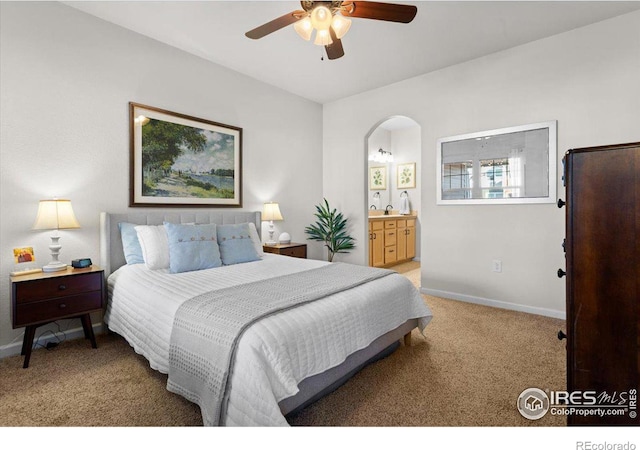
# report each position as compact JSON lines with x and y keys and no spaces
{"x":276,"y":353}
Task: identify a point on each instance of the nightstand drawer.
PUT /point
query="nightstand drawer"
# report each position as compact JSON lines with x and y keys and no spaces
{"x":57,"y":287}
{"x":296,"y":252}
{"x":57,"y":308}
{"x":292,"y":249}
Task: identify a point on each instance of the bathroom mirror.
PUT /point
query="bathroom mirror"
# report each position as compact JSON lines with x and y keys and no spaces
{"x":508,"y":165}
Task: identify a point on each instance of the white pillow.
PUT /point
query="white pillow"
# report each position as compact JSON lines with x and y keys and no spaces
{"x":255,"y":238}
{"x":155,"y":246}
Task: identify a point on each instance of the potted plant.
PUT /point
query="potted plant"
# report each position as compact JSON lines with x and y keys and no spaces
{"x":330,"y":228}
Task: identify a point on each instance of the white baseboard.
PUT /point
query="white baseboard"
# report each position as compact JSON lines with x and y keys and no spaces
{"x":495,"y":303}
{"x":15,"y":348}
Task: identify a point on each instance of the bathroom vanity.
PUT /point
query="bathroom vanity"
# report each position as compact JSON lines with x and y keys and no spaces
{"x":392,"y":239}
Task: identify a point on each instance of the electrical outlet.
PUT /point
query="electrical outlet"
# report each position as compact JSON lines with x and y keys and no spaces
{"x":496,"y":265}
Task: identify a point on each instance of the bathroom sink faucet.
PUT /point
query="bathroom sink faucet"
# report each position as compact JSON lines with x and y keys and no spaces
{"x":386,"y":210}
{"x":372,"y":207}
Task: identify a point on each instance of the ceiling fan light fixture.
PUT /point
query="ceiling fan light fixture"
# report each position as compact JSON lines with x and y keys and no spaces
{"x":321,"y":18}
{"x":304,"y":28}
{"x":340,"y":25}
{"x":323,"y":37}
{"x":331,"y":20}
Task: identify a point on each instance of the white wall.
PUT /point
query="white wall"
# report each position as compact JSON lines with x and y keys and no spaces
{"x":67,"y":78}
{"x":586,"y":79}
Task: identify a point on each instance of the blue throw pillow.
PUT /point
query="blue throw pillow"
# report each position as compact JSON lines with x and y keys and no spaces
{"x":130,"y":243}
{"x":192,"y":247}
{"x":235,"y":244}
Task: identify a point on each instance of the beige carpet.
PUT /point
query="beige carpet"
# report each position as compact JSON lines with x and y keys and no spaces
{"x":467,"y":371}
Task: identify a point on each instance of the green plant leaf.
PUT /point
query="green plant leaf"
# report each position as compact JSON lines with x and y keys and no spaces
{"x":330,"y":228}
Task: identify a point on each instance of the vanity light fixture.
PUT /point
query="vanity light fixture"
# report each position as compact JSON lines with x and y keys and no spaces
{"x":55,"y":214}
{"x":381,"y":157}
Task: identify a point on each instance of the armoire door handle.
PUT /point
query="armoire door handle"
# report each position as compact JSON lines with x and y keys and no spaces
{"x":561,"y":335}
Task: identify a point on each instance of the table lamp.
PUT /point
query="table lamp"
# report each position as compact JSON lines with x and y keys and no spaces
{"x":271,"y":212}
{"x":56,"y":214}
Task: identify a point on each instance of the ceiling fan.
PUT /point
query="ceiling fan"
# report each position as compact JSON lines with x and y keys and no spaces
{"x":331,"y":21}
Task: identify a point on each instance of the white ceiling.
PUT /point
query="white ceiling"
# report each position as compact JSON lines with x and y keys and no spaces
{"x":377,"y":53}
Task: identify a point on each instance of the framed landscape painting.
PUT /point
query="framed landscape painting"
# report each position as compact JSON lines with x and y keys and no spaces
{"x":179,"y":160}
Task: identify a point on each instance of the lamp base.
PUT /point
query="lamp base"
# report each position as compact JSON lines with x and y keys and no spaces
{"x":54,"y":267}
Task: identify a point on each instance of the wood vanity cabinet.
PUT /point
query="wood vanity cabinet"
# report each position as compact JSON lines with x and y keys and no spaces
{"x":391,"y":240}
{"x":406,"y":238}
{"x":602,"y":248}
{"x":376,"y":243}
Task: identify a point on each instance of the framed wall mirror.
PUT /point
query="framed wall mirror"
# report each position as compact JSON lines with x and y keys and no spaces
{"x":508,"y":165}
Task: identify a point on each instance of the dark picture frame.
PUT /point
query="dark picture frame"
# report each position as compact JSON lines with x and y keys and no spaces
{"x":178,"y":160}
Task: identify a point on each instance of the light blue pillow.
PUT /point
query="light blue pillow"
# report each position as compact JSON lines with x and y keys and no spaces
{"x":235,"y":244}
{"x":130,"y":243}
{"x":192,"y":247}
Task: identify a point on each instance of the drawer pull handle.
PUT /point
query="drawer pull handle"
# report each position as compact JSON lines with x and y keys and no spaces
{"x":561,"y":273}
{"x":391,"y":251}
{"x":62,"y":306}
{"x":62,"y":287}
{"x":391,"y":234}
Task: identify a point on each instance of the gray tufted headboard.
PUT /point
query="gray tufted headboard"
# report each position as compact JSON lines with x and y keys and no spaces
{"x":111,"y":253}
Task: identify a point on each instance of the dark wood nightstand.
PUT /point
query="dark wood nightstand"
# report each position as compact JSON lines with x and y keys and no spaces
{"x":40,"y":298}
{"x":293,"y":249}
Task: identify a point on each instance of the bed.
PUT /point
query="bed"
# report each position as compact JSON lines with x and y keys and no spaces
{"x":281,"y":362}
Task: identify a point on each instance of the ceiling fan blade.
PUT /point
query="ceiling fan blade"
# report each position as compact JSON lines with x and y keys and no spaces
{"x":334,"y":50}
{"x":382,"y":11}
{"x":275,"y":25}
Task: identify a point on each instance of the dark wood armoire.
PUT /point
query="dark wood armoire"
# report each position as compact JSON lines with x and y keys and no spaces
{"x":603,"y":275}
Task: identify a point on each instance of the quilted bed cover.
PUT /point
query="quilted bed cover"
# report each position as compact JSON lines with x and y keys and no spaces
{"x":279,"y":351}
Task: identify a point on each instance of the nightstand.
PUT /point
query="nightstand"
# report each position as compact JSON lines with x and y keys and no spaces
{"x":293,"y":249}
{"x":40,"y":298}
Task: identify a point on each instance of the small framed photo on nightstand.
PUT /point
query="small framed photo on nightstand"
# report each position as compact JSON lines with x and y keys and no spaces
{"x":25,"y":261}
{"x":23,"y":255}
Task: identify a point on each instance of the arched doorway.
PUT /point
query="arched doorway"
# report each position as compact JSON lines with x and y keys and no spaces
{"x":393,"y":165}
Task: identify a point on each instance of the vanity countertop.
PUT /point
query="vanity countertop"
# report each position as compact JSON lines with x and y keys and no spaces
{"x":373,"y":215}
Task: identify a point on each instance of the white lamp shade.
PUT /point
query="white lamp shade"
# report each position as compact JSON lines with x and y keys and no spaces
{"x":271,"y":211}
{"x":321,"y":18}
{"x":323,"y":37}
{"x":304,"y":28}
{"x":55,"y":214}
{"x":340,"y":25}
